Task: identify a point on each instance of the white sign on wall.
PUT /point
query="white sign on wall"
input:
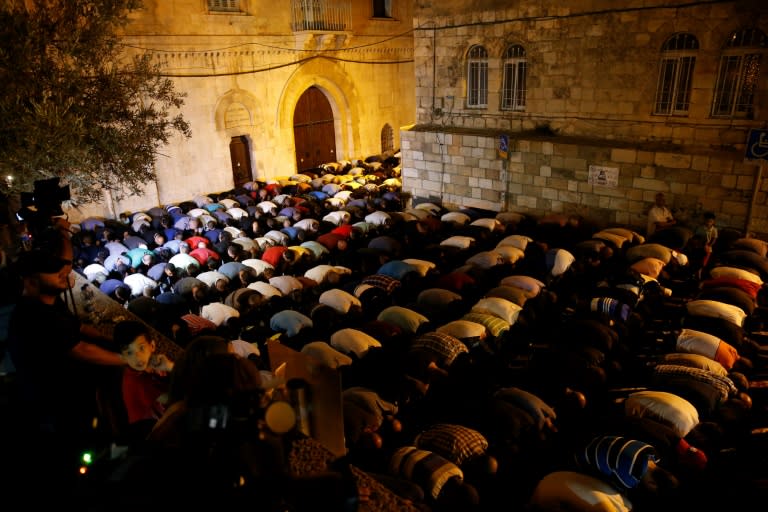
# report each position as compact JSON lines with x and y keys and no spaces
{"x":603,"y":176}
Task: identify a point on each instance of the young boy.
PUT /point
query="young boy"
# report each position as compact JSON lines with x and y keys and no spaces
{"x":708,"y":235}
{"x":145,"y":382}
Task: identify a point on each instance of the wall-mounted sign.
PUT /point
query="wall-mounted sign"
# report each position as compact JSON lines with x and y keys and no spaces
{"x":757,"y":145}
{"x":503,"y":150}
{"x":603,"y":176}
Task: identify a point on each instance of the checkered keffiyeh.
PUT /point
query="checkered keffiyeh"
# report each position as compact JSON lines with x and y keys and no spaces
{"x":456,"y":443}
{"x":723,"y":385}
{"x":446,"y":346}
{"x":197,"y":324}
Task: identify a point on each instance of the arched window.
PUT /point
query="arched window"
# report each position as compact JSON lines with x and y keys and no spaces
{"x":515,"y":67}
{"x":387,"y":139}
{"x":673,"y":92}
{"x":477,"y":77}
{"x":738,"y":74}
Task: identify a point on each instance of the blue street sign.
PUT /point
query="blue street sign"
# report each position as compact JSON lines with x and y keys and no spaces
{"x":503,"y":149}
{"x":757,"y":145}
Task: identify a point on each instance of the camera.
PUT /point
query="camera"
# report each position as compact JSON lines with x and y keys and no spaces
{"x":42,"y":243}
{"x":40,"y":205}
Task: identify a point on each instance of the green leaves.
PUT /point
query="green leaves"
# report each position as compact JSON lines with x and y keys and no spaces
{"x":74,"y":106}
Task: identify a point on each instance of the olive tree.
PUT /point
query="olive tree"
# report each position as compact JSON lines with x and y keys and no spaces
{"x":77,"y":105}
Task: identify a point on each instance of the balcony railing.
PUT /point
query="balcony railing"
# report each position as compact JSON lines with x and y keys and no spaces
{"x":321,"y":15}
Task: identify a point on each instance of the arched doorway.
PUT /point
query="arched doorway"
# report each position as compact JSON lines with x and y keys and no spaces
{"x":313,"y":130}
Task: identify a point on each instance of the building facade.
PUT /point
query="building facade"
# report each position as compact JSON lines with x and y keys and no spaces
{"x":272,"y":88}
{"x":591,"y":107}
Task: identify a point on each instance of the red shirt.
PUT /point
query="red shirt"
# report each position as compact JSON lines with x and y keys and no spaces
{"x":140,"y":393}
{"x":345,"y":231}
{"x":202,"y":254}
{"x":454,"y":281}
{"x":274,"y":255}
{"x":328,"y":240}
{"x":194,"y":241}
{"x":273,"y":189}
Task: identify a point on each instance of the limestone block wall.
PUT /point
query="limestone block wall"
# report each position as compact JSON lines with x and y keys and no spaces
{"x":592,"y":66}
{"x":592,"y":74}
{"x":243,"y":74}
{"x":544,"y":175}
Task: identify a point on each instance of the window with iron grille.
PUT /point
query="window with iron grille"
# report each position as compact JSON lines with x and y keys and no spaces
{"x":382,"y":8}
{"x":738,"y":75}
{"x":515,"y":68}
{"x":224,"y":5}
{"x":387,"y":138}
{"x":673,"y":91}
{"x":477,"y":77}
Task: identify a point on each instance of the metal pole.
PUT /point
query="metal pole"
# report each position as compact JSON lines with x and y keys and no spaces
{"x":755,"y":188}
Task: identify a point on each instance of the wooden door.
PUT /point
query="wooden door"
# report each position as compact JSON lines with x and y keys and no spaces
{"x":313,"y":130}
{"x":240,"y":155}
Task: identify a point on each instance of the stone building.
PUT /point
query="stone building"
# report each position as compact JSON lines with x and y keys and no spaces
{"x":590,"y":107}
{"x":273,"y":87}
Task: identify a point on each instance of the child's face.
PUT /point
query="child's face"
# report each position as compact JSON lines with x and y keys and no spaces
{"x":137,"y":354}
{"x":709,"y":223}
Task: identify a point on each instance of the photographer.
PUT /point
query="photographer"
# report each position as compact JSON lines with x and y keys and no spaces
{"x":59,"y":365}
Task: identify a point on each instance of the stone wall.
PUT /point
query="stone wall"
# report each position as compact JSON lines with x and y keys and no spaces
{"x":552,"y":174}
{"x":593,"y":67}
{"x":243,"y":74}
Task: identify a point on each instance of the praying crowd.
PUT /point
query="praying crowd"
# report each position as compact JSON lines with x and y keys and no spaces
{"x":488,"y":360}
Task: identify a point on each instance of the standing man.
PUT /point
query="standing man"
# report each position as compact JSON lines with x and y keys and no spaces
{"x":659,"y":216}
{"x":57,"y":371}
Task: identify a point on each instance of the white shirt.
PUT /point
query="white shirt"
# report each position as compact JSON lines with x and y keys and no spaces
{"x":138,"y":282}
{"x":286,"y":284}
{"x":378,"y":218}
{"x":258,"y":265}
{"x":218,"y":312}
{"x":353,"y":341}
{"x":237,"y":213}
{"x":265,"y":289}
{"x":337,"y":217}
{"x":657,"y":214}
{"x":309,"y":225}
{"x":339,"y":300}
{"x":210,"y":277}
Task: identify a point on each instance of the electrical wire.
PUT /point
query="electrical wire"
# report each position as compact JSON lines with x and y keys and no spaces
{"x":551,"y":17}
{"x":278,"y":66}
{"x":271,"y":47}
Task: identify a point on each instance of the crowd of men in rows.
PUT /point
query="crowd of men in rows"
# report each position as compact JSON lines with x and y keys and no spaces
{"x":488,"y":360}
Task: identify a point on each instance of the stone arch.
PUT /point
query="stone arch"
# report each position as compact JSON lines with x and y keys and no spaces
{"x":239,"y":100}
{"x":236,"y":115}
{"x":338,"y":87}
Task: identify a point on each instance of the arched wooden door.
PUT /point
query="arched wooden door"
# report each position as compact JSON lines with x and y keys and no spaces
{"x":313,"y":130}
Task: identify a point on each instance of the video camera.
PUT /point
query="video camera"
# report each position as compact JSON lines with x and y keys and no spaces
{"x":41,"y":240}
{"x":42,"y":204}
